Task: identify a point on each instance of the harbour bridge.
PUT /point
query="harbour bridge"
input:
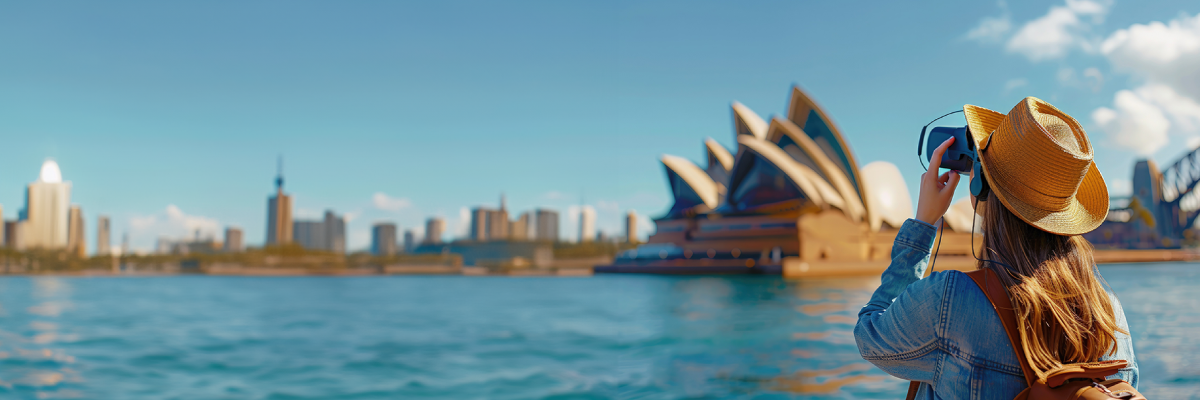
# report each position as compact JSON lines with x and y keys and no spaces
{"x":1161,"y":211}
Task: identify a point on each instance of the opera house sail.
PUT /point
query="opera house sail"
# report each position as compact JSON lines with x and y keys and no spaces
{"x":790,"y":196}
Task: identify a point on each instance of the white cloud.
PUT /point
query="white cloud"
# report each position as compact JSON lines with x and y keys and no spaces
{"x":1166,"y":53}
{"x":1063,"y":28}
{"x":387,"y":203}
{"x":1143,"y":118}
{"x":554,"y":195}
{"x":1066,"y":75}
{"x":608,"y":206}
{"x":1136,"y":123}
{"x":1015,"y":83}
{"x":1120,"y":187}
{"x":463,"y":226}
{"x":306,"y":213}
{"x":1091,"y":78}
{"x":1184,"y":111}
{"x":1165,"y":56}
{"x":991,"y":29}
{"x":172,"y":223}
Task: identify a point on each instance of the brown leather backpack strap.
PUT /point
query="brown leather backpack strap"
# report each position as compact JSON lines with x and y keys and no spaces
{"x":912,"y":390}
{"x":991,"y":286}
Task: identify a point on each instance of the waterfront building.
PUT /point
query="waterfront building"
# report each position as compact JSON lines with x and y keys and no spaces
{"x":335,"y":232}
{"x":587,"y":223}
{"x":497,"y":223}
{"x":518,"y":229}
{"x":791,"y":194}
{"x":547,"y":225}
{"x":410,"y":241}
{"x":490,"y":224}
{"x":47,"y":205}
{"x":279,"y":213}
{"x":631,"y":227}
{"x":76,"y":244}
{"x":12,"y":234}
{"x":720,"y":162}
{"x":233,"y":240}
{"x":103,"y":238}
{"x":327,"y":234}
{"x":196,"y":245}
{"x":434,"y":227}
{"x":479,"y":220}
{"x":309,"y":234}
{"x":383,"y":239}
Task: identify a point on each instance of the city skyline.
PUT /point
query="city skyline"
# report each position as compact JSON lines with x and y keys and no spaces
{"x":168,"y":128}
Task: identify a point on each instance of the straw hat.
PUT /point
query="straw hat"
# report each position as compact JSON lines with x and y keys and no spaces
{"x":1038,"y":162}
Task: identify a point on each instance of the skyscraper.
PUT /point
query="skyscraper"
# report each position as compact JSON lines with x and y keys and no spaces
{"x":335,"y":232}
{"x":279,"y":213}
{"x":327,"y":234}
{"x":409,"y":241}
{"x":12,"y":234}
{"x":434,"y":227}
{"x":497,"y":225}
{"x":587,"y":223}
{"x":383,"y":239}
{"x":47,"y":203}
{"x":233,"y":240}
{"x":76,"y":245}
{"x":631,"y":227}
{"x":103,"y":236}
{"x":547,"y":225}
{"x":309,"y":234}
{"x":518,"y":229}
{"x":479,"y":220}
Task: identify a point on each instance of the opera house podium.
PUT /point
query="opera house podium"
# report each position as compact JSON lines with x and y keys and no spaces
{"x":791,"y":200}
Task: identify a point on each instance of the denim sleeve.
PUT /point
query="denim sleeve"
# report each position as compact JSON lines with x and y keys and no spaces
{"x":898,"y":329}
{"x":1124,"y":347}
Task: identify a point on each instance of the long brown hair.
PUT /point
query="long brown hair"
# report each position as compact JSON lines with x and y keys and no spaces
{"x":1063,"y":312}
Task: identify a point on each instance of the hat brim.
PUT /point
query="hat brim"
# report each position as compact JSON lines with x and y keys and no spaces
{"x":1084,"y":213}
{"x":982,"y":122}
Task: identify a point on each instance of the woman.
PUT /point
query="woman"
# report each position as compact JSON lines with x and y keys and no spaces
{"x":1044,"y":192}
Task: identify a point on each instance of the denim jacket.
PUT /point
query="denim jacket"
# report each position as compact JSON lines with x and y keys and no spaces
{"x":943,"y":332}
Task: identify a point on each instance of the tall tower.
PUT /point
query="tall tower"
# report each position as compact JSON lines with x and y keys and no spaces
{"x":433,"y":230}
{"x":47,"y":204}
{"x":631,"y":227}
{"x":233,"y":240}
{"x":76,"y":245}
{"x":547,"y":225}
{"x":383,"y":239}
{"x":587,"y":223}
{"x":279,"y":213}
{"x":103,"y":236}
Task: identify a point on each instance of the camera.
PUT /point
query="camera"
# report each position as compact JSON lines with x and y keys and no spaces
{"x":960,"y":156}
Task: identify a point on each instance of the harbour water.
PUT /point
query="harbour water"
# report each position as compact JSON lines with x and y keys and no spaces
{"x":608,"y":336}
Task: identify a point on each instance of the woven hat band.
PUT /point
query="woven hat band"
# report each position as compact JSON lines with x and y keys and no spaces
{"x":1040,"y":157}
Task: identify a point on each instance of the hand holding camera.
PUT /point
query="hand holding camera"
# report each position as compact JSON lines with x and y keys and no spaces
{"x":937,"y":191}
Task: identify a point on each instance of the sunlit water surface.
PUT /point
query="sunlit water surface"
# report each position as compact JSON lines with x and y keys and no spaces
{"x":200,"y":337}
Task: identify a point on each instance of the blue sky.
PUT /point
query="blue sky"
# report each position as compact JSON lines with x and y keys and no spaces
{"x":169,"y":116}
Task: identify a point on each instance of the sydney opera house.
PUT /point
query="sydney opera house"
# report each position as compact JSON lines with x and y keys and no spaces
{"x":791,"y":197}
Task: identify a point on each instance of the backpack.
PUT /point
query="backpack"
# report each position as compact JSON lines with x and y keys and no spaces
{"x":1081,"y":381}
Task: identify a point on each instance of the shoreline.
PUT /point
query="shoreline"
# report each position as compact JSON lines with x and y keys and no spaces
{"x":791,"y":268}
